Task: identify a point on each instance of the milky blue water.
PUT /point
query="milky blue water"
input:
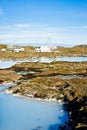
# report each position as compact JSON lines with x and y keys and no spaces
{"x":18,"y":113}
{"x":70,"y":59}
{"x":8,"y":63}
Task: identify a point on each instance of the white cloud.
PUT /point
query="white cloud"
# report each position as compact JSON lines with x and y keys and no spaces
{"x":40,"y":33}
{"x":33,"y":27}
{"x":31,"y":31}
{"x":37,"y":34}
{"x":1,"y":11}
{"x":23,"y":25}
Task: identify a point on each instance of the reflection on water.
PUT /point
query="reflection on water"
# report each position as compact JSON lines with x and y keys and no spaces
{"x":18,"y":113}
{"x":70,"y":59}
{"x":48,"y":60}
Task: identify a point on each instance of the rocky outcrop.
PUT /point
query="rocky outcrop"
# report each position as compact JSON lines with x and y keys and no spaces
{"x":53,"y":68}
{"x":7,"y":75}
{"x":76,"y":102}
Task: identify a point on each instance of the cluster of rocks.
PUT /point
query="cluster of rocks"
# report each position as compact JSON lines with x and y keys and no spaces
{"x":8,"y":75}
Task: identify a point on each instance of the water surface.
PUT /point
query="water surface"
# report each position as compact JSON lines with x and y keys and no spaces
{"x":17,"y":113}
{"x":71,"y":59}
{"x":8,"y":63}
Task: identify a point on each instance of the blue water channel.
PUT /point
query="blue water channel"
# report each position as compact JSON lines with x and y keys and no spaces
{"x":8,"y":63}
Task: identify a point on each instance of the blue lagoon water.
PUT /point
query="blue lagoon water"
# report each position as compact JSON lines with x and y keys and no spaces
{"x":65,"y":58}
{"x":8,"y":63}
{"x":71,"y":59}
{"x":19,"y":113}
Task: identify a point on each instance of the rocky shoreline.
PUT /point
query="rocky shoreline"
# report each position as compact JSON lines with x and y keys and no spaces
{"x":41,"y":81}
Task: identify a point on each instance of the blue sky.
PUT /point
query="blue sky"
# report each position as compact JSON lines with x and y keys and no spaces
{"x":35,"y":21}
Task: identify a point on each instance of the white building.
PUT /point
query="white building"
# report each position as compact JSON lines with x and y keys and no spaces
{"x":38,"y":49}
{"x":18,"y":49}
{"x":45,"y":49}
{"x":3,"y":49}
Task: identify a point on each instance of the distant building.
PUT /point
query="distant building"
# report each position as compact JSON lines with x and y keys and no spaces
{"x":45,"y":49}
{"x":18,"y":49}
{"x":38,"y":49}
{"x":3,"y":49}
